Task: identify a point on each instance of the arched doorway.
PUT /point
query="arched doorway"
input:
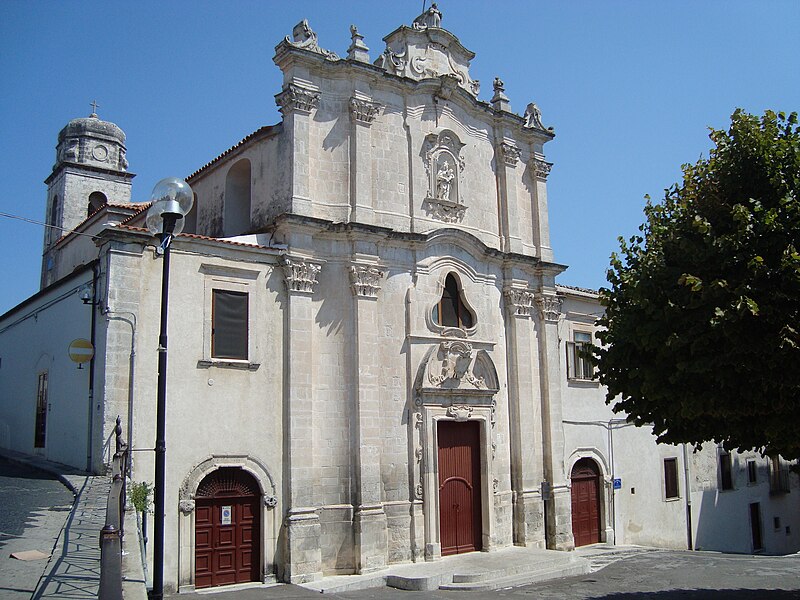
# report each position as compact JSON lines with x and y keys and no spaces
{"x":227,"y":528}
{"x":586,"y":502}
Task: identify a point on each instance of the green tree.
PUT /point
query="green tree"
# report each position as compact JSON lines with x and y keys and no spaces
{"x":703,"y":311}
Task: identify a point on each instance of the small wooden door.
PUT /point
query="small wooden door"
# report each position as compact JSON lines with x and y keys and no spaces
{"x":227,"y":529}
{"x":586,"y":502}
{"x":459,"y":486}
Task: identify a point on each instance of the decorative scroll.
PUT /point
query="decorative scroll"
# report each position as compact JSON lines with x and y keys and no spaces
{"x":304,"y":37}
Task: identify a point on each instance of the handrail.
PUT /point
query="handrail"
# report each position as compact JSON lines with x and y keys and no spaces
{"x":113,"y":531}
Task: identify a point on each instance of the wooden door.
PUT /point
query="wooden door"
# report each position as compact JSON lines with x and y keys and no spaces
{"x":585,"y":502}
{"x":227,"y":529}
{"x":459,"y":486}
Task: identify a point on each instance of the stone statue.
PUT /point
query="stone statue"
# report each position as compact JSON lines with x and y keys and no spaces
{"x":444,"y":179}
{"x":430,"y":18}
{"x":533,"y":116}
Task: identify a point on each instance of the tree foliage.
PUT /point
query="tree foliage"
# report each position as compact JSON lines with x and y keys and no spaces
{"x":702,"y":318}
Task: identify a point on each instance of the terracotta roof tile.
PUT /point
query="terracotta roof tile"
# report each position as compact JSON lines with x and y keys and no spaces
{"x":258,"y":133}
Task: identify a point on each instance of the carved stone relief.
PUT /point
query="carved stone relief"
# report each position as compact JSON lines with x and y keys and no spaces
{"x":186,"y":506}
{"x":520,"y":301}
{"x":301,"y":276}
{"x":550,"y":306}
{"x":459,"y":413}
{"x":297,"y":98}
{"x":364,"y":111}
{"x":541,"y":168}
{"x":366,"y":280}
{"x":510,"y":154}
{"x":444,"y":165}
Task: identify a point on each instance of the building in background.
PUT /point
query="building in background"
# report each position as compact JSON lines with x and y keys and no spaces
{"x":371,"y":360}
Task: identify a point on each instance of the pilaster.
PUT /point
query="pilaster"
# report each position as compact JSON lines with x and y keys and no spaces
{"x":559,"y":509}
{"x":507,"y":160}
{"x":362,"y":113}
{"x":541,"y":234}
{"x":370,"y":524}
{"x":524,"y":418}
{"x":304,"y":557}
{"x":296,"y":103}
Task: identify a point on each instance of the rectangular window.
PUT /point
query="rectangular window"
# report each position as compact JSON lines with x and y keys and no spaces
{"x":41,"y":411}
{"x":229,"y":325}
{"x":752,"y":472}
{"x":579,"y":366}
{"x":725,"y":475}
{"x":778,"y":476}
{"x":670,"y":478}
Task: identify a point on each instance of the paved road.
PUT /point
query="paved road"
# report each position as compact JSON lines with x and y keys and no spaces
{"x":33,"y":509}
{"x":656,"y":575}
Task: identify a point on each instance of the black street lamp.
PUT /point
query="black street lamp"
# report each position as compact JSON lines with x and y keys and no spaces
{"x":172,"y":199}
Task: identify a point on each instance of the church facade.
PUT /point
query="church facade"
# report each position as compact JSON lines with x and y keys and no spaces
{"x":370,"y":359}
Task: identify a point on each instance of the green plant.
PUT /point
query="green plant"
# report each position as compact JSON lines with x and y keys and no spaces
{"x":139,"y":495}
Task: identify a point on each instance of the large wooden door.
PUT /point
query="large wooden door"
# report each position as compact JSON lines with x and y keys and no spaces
{"x":586,"y":502}
{"x":227,"y":529}
{"x":459,"y":486}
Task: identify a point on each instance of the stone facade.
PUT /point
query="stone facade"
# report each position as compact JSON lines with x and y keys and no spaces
{"x":389,"y":243}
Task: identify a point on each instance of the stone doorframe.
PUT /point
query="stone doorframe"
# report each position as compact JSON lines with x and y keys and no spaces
{"x":429,"y":470}
{"x":606,"y":489}
{"x":186,"y":505}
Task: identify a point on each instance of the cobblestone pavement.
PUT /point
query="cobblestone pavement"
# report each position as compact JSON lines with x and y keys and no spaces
{"x":33,"y":508}
{"x":632,"y":573}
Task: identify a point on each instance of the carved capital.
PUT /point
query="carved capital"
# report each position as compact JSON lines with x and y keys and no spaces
{"x":541,"y":168}
{"x":459,"y":413}
{"x":301,"y":276}
{"x":186,"y":506}
{"x":270,"y":501}
{"x":510,"y":154}
{"x":550,"y":306}
{"x":295,"y":98}
{"x":519,"y":301}
{"x":366,"y":280}
{"x":364,"y":111}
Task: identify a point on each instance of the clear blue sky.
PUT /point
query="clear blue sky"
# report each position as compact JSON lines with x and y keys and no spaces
{"x":630,"y":88}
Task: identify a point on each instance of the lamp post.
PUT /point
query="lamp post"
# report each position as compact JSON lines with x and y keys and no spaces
{"x":172,"y":199}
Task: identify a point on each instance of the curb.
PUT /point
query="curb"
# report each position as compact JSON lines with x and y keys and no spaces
{"x":55,"y":469}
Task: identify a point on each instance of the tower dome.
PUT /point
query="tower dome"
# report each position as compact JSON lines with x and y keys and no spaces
{"x":93,"y":142}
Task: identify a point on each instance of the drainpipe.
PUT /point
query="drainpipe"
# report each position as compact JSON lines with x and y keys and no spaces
{"x":688,"y":495}
{"x":92,"y":336}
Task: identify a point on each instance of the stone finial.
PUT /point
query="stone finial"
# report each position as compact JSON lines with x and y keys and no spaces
{"x":430,"y":18}
{"x":500,"y":100}
{"x":358,"y":49}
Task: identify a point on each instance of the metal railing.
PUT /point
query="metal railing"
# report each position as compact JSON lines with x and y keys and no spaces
{"x":111,"y":534}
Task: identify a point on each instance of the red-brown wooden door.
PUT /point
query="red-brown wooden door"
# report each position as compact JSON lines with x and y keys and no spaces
{"x":585,"y":502}
{"x":227,"y":529}
{"x":459,"y":486}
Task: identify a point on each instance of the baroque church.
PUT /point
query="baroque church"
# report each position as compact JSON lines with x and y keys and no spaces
{"x":371,"y":360}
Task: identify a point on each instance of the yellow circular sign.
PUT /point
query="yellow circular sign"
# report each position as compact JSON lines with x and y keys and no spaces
{"x":81,"y":351}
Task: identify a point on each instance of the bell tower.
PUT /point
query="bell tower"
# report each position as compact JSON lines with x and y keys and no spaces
{"x":90,"y":171}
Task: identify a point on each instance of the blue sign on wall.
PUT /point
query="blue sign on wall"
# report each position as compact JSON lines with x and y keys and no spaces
{"x":617,"y":484}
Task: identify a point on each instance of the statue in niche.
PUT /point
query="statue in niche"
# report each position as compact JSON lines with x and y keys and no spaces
{"x":444,"y":181}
